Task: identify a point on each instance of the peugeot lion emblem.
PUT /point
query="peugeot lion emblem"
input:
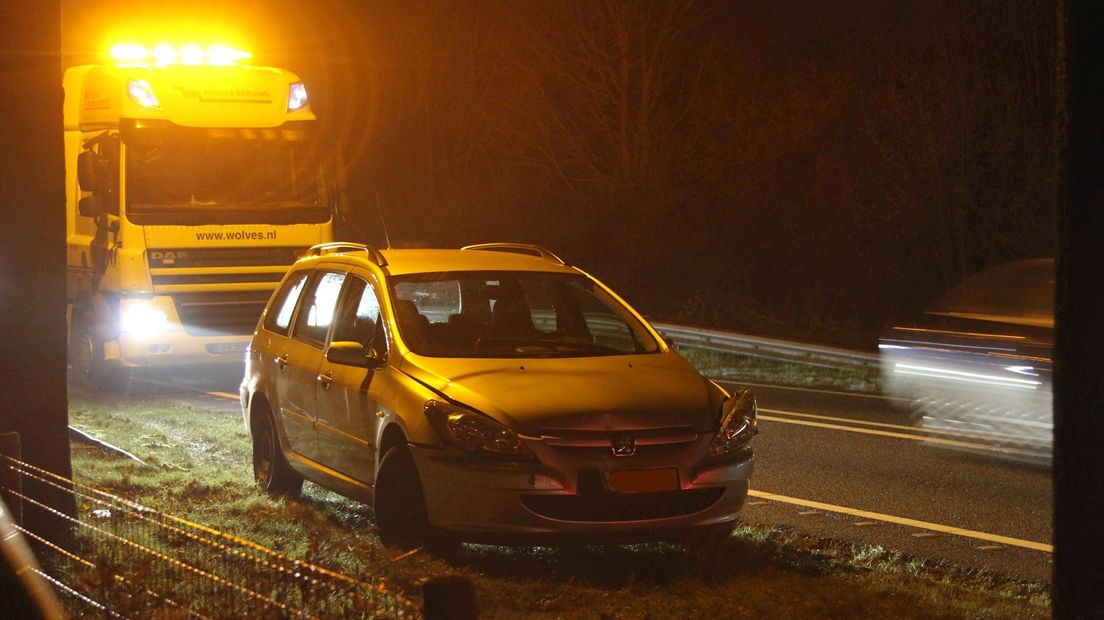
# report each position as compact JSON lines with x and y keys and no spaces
{"x":623,"y":445}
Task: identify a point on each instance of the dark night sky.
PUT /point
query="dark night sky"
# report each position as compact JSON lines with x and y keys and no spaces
{"x":773,"y":166}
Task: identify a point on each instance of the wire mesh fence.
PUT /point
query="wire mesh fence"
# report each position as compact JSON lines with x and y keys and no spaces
{"x":126,"y":560}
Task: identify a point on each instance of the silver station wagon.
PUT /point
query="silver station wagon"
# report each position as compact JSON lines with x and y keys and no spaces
{"x":488,"y":394}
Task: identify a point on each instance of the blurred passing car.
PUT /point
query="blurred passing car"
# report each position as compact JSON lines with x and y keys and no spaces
{"x":977,"y":363}
{"x":491,"y":394}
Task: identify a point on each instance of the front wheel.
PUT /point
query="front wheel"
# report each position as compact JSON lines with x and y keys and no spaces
{"x":400,"y":508}
{"x":270,"y":468}
{"x":90,"y":370}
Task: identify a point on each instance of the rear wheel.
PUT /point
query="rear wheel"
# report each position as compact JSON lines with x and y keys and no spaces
{"x":270,"y":468}
{"x":400,"y":508}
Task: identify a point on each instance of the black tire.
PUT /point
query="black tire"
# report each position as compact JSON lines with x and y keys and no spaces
{"x":400,"y":508}
{"x":270,"y":468}
{"x":89,"y":369}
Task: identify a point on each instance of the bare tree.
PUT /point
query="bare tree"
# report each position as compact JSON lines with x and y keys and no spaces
{"x":607,"y":92}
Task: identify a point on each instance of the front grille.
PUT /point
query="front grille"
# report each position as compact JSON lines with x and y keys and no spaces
{"x":215,"y":278}
{"x":632,"y":507}
{"x":583,"y":438}
{"x":220,"y":314}
{"x":182,"y":258}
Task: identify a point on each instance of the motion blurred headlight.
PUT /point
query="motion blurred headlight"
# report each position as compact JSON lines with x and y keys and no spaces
{"x":141,"y":92}
{"x":474,"y":432}
{"x":297,"y":97}
{"x":738,"y":424}
{"x":141,"y":319}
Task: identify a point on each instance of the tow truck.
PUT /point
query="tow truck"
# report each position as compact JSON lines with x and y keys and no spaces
{"x":193,"y":181}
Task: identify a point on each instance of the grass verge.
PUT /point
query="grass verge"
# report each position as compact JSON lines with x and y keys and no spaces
{"x":799,"y":373}
{"x":197,"y":466}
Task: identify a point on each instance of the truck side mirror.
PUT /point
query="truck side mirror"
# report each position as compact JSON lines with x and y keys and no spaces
{"x":89,"y":172}
{"x":89,"y":206}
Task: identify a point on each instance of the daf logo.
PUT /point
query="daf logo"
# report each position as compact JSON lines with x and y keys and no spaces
{"x":623,"y":445}
{"x":168,"y":258}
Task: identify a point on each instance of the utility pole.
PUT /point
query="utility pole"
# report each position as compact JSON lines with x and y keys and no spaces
{"x":33,"y":400}
{"x":1079,"y":382}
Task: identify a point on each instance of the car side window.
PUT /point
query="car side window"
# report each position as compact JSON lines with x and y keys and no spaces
{"x":278,"y":319}
{"x":317,"y":310}
{"x":359,"y":316}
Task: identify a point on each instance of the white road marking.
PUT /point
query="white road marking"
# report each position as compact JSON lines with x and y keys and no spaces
{"x":225,"y":395}
{"x":909,"y":436}
{"x":934,"y":527}
{"x":915,"y":429}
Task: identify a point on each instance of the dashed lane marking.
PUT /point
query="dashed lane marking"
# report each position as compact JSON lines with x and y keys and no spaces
{"x":934,"y":527}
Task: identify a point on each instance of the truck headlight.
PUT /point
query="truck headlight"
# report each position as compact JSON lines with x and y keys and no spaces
{"x":140,"y":318}
{"x":474,"y":432}
{"x":297,"y":97}
{"x":141,"y":92}
{"x":738,"y":424}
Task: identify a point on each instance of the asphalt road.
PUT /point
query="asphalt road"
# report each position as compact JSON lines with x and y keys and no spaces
{"x":848,"y":467}
{"x":889,"y":486}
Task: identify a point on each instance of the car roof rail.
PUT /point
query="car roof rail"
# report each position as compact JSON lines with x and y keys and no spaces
{"x":341,"y":247}
{"x":517,"y":248}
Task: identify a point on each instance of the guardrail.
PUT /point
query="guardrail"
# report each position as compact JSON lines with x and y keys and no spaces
{"x":769,"y":348}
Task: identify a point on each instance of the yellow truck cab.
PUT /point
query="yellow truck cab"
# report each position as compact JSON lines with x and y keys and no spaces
{"x":193,"y":181}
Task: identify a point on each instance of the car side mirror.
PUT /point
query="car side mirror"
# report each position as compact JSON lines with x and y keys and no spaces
{"x":350,"y":353}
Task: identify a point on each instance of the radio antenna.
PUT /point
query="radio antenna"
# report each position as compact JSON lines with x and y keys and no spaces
{"x":383,"y":222}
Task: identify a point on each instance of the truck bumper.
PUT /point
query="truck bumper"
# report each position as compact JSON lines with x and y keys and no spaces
{"x":175,"y":348}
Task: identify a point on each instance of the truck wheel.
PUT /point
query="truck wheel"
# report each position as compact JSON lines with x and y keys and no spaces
{"x":86,"y":356}
{"x":270,"y":469}
{"x":400,"y":507}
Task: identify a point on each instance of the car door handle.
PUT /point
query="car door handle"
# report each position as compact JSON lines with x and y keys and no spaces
{"x":282,"y":361}
{"x":326,"y":379}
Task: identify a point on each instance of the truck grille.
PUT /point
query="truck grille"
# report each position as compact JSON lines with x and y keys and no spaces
{"x":220,"y":314}
{"x":191,"y":258}
{"x":215,"y":278}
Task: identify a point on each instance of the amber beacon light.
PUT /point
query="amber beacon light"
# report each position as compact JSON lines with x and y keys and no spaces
{"x":164,"y":54}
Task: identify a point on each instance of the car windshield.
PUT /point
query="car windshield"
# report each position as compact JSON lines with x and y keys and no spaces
{"x":514,"y":314}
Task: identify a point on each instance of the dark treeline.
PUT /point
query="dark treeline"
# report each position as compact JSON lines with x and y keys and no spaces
{"x":784,"y":167}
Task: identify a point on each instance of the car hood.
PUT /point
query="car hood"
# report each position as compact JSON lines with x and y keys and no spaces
{"x":621,"y":392}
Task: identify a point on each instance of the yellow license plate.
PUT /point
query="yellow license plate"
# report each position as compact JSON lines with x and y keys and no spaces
{"x":643,"y":480}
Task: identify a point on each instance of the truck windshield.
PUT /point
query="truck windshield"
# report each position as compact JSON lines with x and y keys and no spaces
{"x":190,"y":175}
